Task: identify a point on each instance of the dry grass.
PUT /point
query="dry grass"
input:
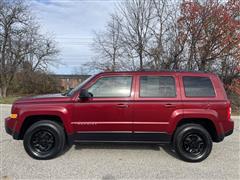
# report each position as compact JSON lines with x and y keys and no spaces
{"x":9,"y":99}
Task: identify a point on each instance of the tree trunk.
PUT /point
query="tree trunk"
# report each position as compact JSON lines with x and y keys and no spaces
{"x":202,"y":65}
{"x":114,"y":60}
{"x":3,"y":92}
{"x":141,"y":61}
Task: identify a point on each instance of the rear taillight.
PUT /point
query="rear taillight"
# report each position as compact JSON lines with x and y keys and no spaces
{"x":229,"y":110}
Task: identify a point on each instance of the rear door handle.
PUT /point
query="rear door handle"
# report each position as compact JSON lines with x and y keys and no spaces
{"x":122,"y":106}
{"x":170,"y":105}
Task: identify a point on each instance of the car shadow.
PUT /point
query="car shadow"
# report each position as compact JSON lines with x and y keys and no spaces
{"x":170,"y":150}
{"x":128,"y":146}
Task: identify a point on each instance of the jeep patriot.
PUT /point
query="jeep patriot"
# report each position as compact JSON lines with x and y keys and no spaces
{"x":188,"y":110}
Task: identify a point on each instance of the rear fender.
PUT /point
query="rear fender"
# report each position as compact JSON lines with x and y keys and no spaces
{"x":176,"y":116}
{"x":200,"y":114}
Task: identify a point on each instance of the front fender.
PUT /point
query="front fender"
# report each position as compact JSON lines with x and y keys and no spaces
{"x":62,"y":112}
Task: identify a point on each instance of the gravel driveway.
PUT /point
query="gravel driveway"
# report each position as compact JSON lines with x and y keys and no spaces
{"x":118,"y":161}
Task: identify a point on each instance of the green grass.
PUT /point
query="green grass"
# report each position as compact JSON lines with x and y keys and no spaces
{"x":9,"y":99}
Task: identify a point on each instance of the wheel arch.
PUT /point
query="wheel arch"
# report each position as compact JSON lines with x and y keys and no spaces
{"x":30,"y":120}
{"x":205,"y":122}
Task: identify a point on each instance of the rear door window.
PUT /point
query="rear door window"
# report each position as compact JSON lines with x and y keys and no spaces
{"x":198,"y":87}
{"x":157,"y":86}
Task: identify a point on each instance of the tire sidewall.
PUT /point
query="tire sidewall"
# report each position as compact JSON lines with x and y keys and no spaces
{"x":185,"y":131}
{"x":57,"y":132}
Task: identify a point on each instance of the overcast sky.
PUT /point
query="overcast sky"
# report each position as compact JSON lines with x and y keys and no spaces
{"x":71,"y":23}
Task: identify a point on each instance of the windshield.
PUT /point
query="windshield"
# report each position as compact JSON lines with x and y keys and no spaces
{"x":78,"y":87}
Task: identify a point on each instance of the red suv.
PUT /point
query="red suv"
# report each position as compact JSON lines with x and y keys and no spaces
{"x":189,"y":110}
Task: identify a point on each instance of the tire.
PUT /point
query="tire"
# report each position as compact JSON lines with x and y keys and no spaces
{"x":192,"y":142}
{"x":44,"y":140}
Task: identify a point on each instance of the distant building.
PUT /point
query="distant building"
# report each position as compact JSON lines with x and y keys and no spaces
{"x":70,"y":81}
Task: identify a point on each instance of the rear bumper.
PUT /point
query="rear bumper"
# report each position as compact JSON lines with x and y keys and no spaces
{"x":229,"y":133}
{"x":9,"y":128}
{"x":227,"y":129}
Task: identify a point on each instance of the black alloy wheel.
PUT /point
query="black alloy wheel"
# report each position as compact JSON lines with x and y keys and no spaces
{"x":192,"y":142}
{"x":44,"y":140}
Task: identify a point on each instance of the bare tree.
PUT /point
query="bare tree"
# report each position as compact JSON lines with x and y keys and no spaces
{"x":44,"y":53}
{"x":13,"y":19}
{"x":20,"y":42}
{"x":147,"y":35}
{"x":136,"y":21}
{"x":107,"y":47}
{"x":166,"y":44}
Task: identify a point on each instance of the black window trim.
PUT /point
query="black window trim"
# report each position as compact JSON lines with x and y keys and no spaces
{"x":199,"y":96}
{"x":158,"y":97}
{"x":130,"y":95}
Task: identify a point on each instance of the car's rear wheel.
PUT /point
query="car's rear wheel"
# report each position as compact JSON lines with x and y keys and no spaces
{"x":192,"y":142}
{"x":44,"y":140}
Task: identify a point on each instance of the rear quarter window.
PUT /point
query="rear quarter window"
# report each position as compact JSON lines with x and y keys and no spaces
{"x":198,"y":86}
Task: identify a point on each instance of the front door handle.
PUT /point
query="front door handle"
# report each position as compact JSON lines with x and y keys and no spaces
{"x":170,"y":105}
{"x":122,"y":106}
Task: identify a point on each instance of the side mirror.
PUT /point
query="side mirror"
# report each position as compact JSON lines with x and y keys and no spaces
{"x":84,"y":94}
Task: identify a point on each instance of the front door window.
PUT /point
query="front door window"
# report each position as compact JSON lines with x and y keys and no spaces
{"x":114,"y":86}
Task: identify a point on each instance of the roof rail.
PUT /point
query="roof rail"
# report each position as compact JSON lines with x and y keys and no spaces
{"x":173,"y":70}
{"x":159,"y":70}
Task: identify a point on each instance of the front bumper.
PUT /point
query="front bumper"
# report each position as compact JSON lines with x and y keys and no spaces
{"x":10,"y":125}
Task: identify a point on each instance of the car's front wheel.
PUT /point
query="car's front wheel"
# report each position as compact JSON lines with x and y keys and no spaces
{"x":44,"y":139}
{"x":192,"y":142}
